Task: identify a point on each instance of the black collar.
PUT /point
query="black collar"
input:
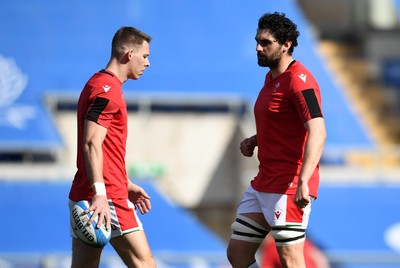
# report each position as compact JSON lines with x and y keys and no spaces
{"x":104,"y":71}
{"x":293,"y":61}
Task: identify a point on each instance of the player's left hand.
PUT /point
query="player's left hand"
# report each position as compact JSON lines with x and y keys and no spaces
{"x":139,"y":198}
{"x":302,"y":198}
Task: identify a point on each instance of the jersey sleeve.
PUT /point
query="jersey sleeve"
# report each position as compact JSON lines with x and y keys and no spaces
{"x":102,"y":111}
{"x":306,"y":98}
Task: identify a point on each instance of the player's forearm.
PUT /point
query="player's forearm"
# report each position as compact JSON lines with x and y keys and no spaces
{"x":131,"y":185}
{"x":254,"y":140}
{"x":94,"y":162}
{"x":312,"y":155}
{"x":312,"y":151}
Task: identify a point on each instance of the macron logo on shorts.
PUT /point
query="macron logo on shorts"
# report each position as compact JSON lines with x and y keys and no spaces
{"x":277,"y":214}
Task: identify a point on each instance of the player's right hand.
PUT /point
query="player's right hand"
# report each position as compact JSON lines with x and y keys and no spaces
{"x":247,"y":146}
{"x":101,"y":211}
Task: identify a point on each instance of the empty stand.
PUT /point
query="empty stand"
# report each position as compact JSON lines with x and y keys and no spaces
{"x":203,"y":60}
{"x":187,"y":115}
{"x":176,"y":237}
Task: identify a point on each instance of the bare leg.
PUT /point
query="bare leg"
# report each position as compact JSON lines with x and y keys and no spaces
{"x":241,"y":253}
{"x":134,"y":250}
{"x":84,"y":256}
{"x":292,"y":256}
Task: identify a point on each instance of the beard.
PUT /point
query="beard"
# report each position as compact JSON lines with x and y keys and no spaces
{"x":271,"y":62}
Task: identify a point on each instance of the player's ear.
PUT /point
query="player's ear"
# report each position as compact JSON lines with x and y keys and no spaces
{"x":286,"y":46}
{"x":130,"y":54}
{"x":127,"y":56}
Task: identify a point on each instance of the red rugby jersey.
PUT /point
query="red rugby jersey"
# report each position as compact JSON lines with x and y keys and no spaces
{"x":102,"y":101}
{"x":284,"y":104}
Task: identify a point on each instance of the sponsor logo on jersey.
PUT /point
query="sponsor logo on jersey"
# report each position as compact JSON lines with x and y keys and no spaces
{"x":106,"y":88}
{"x":303,"y":77}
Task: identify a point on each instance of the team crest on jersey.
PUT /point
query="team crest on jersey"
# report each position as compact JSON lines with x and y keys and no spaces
{"x":277,"y":85}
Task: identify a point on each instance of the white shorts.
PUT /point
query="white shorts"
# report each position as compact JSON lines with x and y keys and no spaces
{"x":278,"y":209}
{"x":124,"y":219}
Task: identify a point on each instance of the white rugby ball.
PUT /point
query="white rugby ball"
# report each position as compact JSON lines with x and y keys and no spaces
{"x":88,"y":234}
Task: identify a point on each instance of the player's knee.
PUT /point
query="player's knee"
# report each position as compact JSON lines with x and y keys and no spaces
{"x":150,"y":263}
{"x":237,"y":259}
{"x":140,"y":260}
{"x":246,"y":229}
{"x":230,"y":254}
{"x":147,"y":261}
{"x":285,"y":236}
{"x":235,"y":254}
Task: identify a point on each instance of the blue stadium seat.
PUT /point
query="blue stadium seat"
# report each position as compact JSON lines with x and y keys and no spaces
{"x":40,"y":223}
{"x":204,"y":47}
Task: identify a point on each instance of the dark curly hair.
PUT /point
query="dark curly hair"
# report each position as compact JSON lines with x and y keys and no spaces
{"x":282,"y":28}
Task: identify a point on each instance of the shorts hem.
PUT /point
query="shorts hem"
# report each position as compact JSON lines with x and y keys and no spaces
{"x":132,"y":231}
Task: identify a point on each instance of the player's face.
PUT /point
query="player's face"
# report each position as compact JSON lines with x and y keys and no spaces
{"x":139,"y":60}
{"x":269,"y":51}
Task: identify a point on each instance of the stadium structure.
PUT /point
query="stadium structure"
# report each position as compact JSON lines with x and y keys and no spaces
{"x":187,"y":116}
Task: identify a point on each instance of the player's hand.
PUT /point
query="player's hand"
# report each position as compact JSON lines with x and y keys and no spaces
{"x":247,"y":146}
{"x":302,"y":197}
{"x":139,"y":197}
{"x":101,"y":211}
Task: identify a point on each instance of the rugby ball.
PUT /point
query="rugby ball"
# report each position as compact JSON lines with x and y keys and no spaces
{"x":88,"y":234}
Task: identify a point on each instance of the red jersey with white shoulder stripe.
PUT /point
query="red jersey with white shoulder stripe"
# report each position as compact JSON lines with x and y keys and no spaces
{"x":102,"y":102}
{"x":283,"y":105}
